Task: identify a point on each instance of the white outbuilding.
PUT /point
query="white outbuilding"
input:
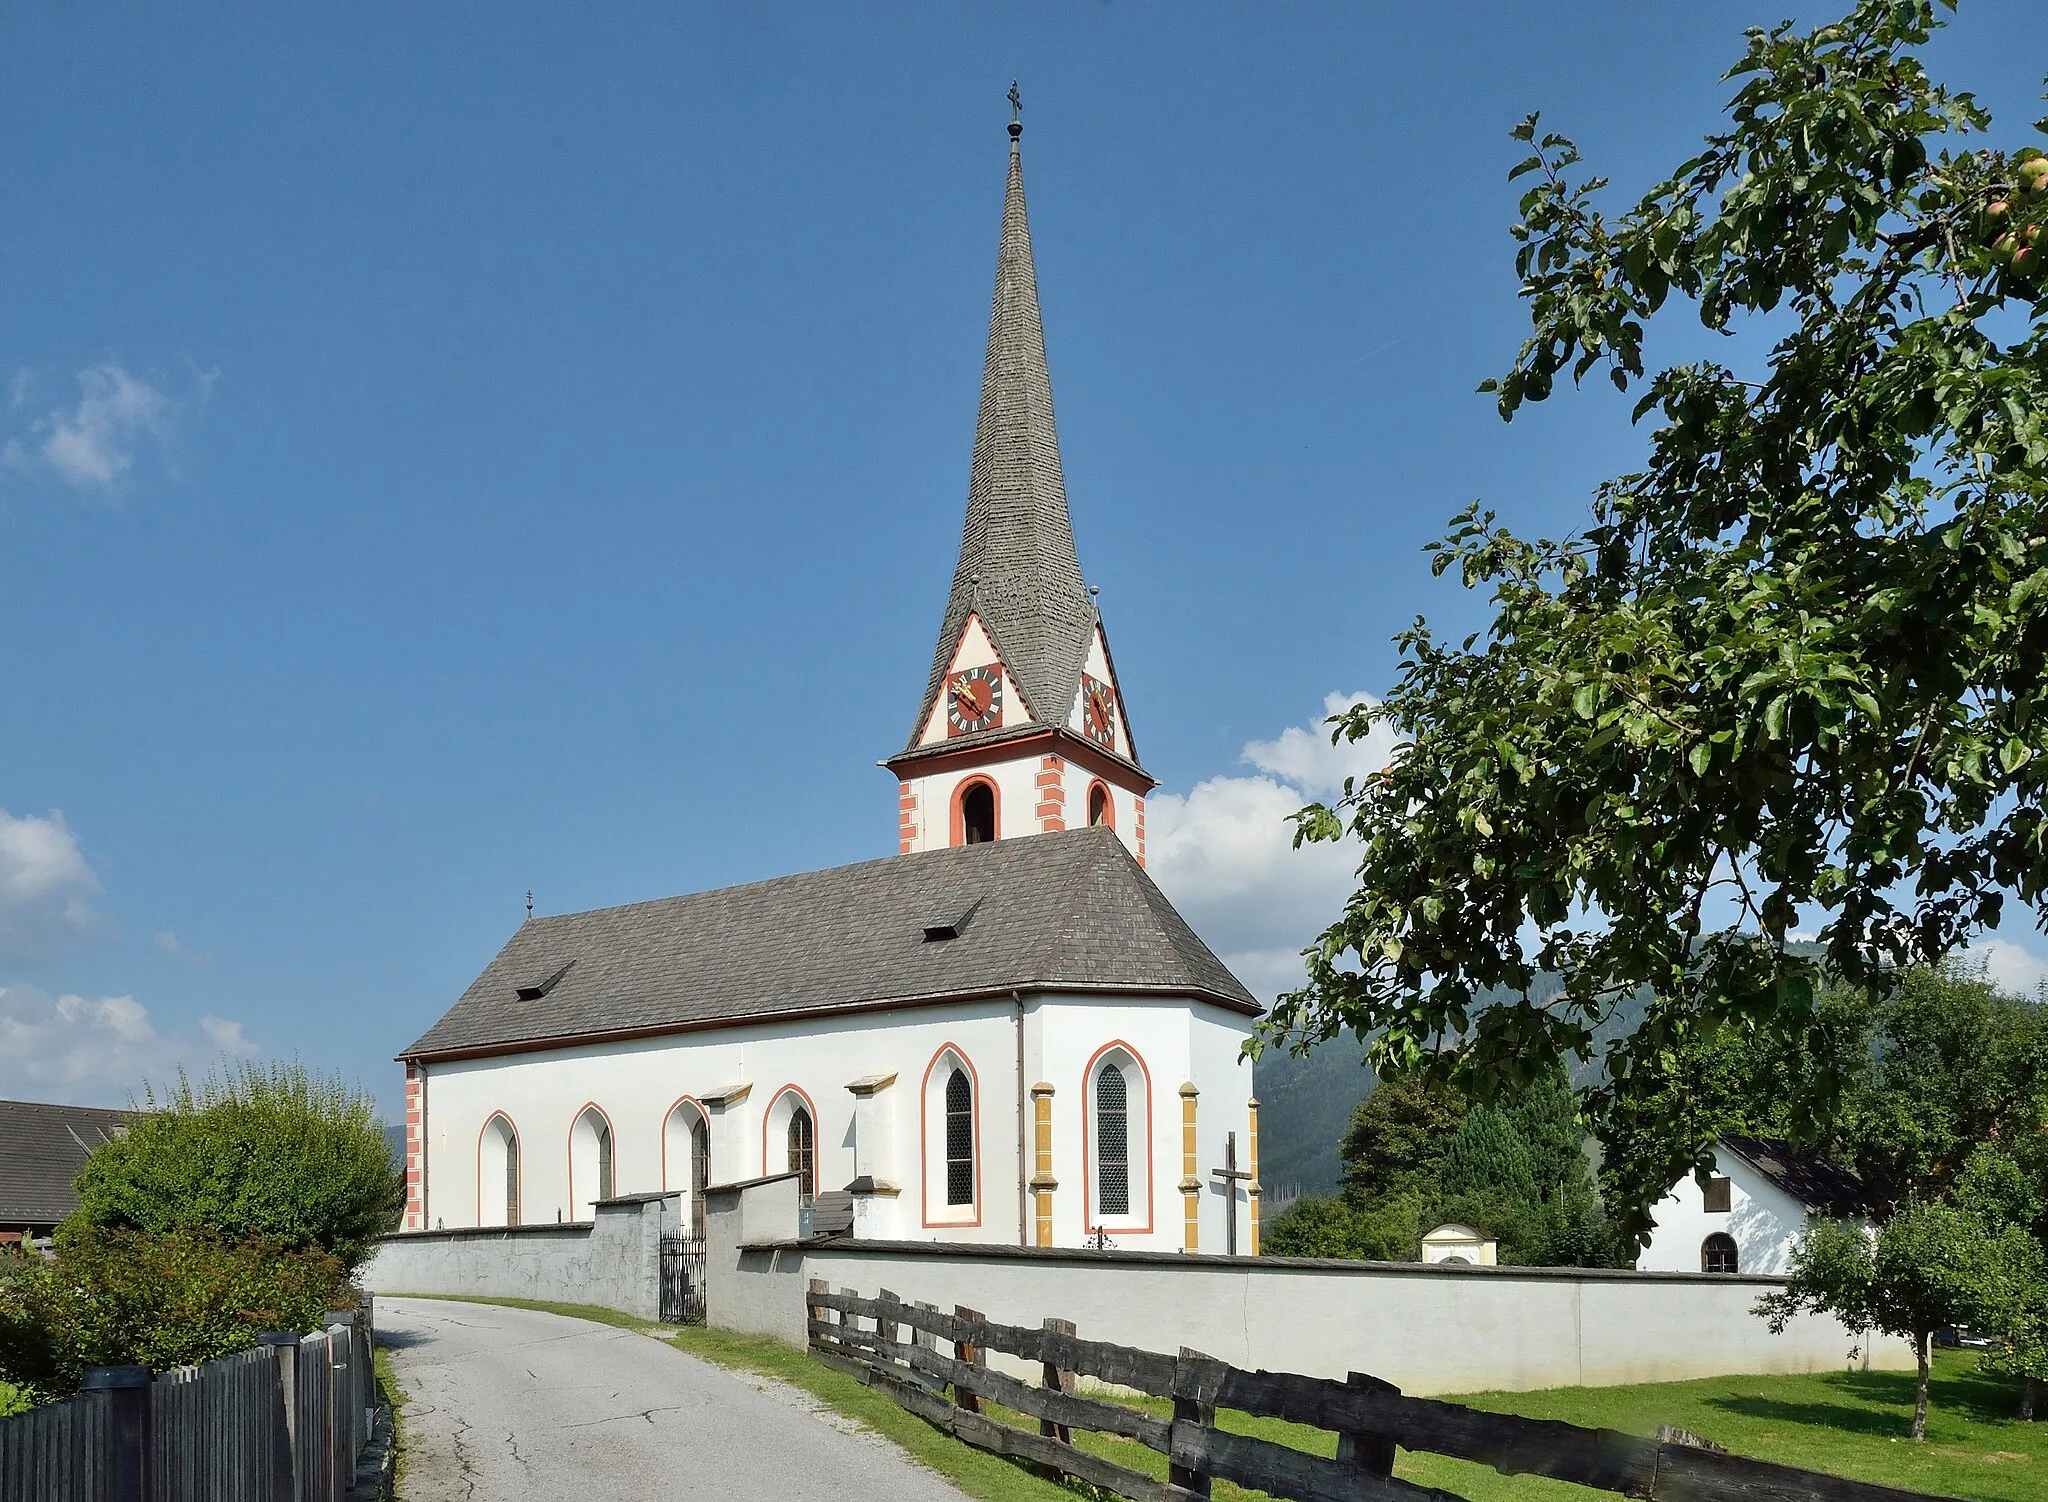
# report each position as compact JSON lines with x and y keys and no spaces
{"x":1751,"y":1212}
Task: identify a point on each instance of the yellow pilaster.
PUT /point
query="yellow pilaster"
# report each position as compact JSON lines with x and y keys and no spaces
{"x":1042,"y":1181}
{"x":1190,"y":1175}
{"x":1252,"y":1186}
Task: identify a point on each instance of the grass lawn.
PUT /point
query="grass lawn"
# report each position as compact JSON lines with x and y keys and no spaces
{"x":1850,"y":1423}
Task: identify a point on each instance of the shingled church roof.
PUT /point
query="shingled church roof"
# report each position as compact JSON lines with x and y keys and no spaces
{"x":1070,"y":912}
{"x":1018,"y":569}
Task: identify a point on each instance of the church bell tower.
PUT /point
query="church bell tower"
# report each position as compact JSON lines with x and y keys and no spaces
{"x":1022,"y":728}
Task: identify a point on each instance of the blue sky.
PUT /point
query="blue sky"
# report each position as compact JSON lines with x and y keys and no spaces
{"x":456,"y":450}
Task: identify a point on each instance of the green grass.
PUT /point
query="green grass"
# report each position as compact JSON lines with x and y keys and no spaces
{"x":1849,"y":1423}
{"x":387,"y":1383}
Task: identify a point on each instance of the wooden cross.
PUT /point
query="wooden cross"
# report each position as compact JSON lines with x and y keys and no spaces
{"x":1230,"y":1173}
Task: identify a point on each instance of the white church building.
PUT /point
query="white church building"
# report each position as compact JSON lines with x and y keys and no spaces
{"x":1004,"y":1032}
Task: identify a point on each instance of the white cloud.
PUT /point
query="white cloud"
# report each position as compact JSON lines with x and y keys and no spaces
{"x":44,"y":884}
{"x":92,"y":444}
{"x":1225,"y":852}
{"x":81,"y":1048}
{"x":168,"y":943}
{"x":2011,"y":967}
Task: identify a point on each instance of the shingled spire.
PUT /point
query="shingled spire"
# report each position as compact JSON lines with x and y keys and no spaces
{"x":1017,"y":569}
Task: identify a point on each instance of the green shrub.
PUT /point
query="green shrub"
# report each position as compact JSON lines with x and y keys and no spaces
{"x":120,"y":1297}
{"x":264,"y":1151}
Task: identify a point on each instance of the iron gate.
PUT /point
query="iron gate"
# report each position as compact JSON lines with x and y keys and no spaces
{"x":682,"y":1278}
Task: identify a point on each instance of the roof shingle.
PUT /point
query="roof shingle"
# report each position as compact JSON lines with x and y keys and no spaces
{"x":42,"y":1148}
{"x":1068,"y":911}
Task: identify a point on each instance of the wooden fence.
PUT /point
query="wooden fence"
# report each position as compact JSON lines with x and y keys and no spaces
{"x":285,"y":1422}
{"x":1370,"y":1418}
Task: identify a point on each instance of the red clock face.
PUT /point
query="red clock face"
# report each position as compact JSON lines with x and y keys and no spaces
{"x":1098,"y":711}
{"x":974,"y":700}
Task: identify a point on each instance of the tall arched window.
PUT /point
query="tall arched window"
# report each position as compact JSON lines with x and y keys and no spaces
{"x":700,"y":1174}
{"x":803,"y":1152}
{"x":1099,"y":806}
{"x":590,"y":1162}
{"x":497,"y":1173}
{"x":1717,"y":1254}
{"x":1112,"y":1142}
{"x":977,"y":813}
{"x":959,"y":1138}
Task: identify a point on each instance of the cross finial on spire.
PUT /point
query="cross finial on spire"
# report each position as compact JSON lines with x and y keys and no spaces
{"x":1016,"y":111}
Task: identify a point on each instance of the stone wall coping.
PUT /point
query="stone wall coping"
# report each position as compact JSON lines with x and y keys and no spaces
{"x":647,"y":1197}
{"x":738,"y":1184}
{"x":563,"y":1228}
{"x":1202,"y":1261}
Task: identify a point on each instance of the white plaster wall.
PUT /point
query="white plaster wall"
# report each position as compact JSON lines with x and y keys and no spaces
{"x":613,"y":1262}
{"x":1426,"y":1329}
{"x":638,"y":1083}
{"x":1765,"y":1221}
{"x":1174,"y":1043}
{"x":1016,"y":800}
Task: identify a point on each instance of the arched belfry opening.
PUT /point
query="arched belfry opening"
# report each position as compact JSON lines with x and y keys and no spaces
{"x":1098,"y":805}
{"x":977,"y":814}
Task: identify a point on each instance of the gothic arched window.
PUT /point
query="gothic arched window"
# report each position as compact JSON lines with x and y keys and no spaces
{"x":700,"y":1174}
{"x":803,"y":1152}
{"x":498,"y":1173}
{"x":977,"y":813}
{"x":1112,"y":1142}
{"x":1717,"y":1254}
{"x":590,"y":1161}
{"x":959,"y":1138}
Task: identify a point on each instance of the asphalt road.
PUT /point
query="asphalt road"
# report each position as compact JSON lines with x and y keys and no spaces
{"x":512,"y":1405}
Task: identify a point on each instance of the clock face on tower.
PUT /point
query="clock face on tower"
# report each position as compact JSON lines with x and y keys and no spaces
{"x":974,"y":700}
{"x":1098,"y":711}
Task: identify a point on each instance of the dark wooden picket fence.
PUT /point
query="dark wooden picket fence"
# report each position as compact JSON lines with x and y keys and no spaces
{"x":285,"y":1422}
{"x":894,"y":1346}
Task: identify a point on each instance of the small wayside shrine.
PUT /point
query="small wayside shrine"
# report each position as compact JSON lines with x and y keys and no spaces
{"x":1004,"y":1032}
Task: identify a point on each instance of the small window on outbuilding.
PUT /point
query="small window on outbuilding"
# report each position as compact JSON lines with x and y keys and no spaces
{"x":1717,"y":1254}
{"x":1714,"y":1199}
{"x":977,"y":814}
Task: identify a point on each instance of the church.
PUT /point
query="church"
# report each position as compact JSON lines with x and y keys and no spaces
{"x":1004,"y":1032}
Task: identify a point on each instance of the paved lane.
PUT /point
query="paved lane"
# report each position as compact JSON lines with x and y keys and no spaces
{"x":512,"y":1405}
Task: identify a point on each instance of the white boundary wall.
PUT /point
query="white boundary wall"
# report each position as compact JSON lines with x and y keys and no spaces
{"x":613,"y":1261}
{"x":1428,"y":1329}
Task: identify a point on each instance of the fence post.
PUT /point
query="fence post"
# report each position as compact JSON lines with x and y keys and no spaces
{"x":1058,"y":1379}
{"x":130,"y":1466}
{"x":1194,"y":1402}
{"x":344,"y":1413}
{"x":1362,"y":1449}
{"x":885,"y":1327}
{"x":816,"y":1312}
{"x":967,"y":1353}
{"x":283,"y":1346}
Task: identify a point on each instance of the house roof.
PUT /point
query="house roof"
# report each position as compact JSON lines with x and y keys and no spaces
{"x":1069,"y":911}
{"x":42,"y":1148}
{"x":1813,"y":1181}
{"x":1018,"y":569}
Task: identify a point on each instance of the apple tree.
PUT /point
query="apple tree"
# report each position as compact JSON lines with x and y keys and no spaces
{"x":1790,"y":676}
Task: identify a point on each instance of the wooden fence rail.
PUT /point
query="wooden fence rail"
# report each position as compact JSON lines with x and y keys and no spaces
{"x":1370,"y":1418}
{"x":285,"y":1422}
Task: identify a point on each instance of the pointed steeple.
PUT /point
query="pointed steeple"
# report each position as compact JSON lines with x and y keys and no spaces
{"x":1018,"y":570}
